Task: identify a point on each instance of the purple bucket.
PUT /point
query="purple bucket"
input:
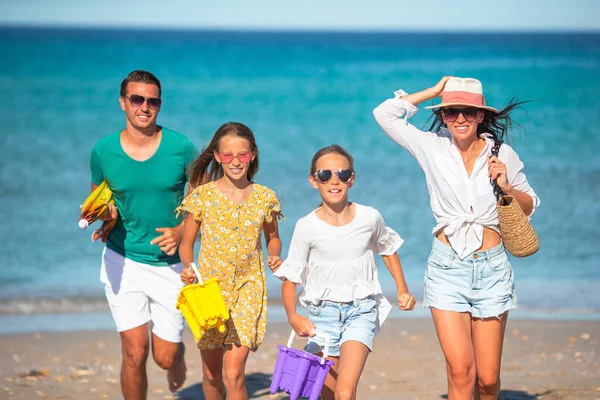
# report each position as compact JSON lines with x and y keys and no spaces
{"x":298,"y":373}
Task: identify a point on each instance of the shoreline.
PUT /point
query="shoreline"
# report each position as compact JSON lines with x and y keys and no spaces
{"x":100,"y":320}
{"x":541,"y":300}
{"x":553,"y":359}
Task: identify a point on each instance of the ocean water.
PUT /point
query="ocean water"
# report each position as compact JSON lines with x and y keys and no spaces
{"x":298,"y":92}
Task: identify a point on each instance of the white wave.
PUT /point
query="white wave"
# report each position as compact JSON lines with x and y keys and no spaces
{"x":52,"y":305}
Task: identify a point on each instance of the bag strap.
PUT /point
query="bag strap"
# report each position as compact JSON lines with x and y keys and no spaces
{"x":495,"y":150}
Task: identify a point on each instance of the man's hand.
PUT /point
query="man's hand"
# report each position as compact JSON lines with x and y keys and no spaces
{"x":169,"y":240}
{"x":274,"y":262}
{"x":109,"y":213}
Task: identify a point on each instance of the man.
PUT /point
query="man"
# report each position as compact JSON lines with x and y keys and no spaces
{"x":145,"y":167}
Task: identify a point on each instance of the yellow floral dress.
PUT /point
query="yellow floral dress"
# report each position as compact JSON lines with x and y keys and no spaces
{"x":231,"y":250}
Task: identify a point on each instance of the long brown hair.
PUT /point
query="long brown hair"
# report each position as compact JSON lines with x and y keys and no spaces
{"x":206,"y":168}
{"x":499,"y":125}
{"x":333,"y":149}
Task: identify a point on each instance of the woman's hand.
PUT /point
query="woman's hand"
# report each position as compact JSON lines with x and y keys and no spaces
{"x":302,"y":325}
{"x":437,"y":90}
{"x":406,"y":301}
{"x":187,"y":276}
{"x":497,"y":172}
{"x":427,"y":94}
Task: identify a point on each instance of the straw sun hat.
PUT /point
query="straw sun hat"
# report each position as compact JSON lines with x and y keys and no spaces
{"x":463,"y":92}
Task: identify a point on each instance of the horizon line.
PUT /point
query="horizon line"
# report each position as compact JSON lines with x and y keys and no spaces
{"x":224,"y":29}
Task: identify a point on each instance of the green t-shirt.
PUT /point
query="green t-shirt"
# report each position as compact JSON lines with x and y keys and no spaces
{"x":146,"y":192}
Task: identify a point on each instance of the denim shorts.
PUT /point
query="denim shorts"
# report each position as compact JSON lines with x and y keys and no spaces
{"x":482,"y":284}
{"x":354,"y":320}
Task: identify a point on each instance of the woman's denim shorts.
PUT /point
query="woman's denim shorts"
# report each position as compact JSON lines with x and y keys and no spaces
{"x":355,"y":320}
{"x":482,"y":284}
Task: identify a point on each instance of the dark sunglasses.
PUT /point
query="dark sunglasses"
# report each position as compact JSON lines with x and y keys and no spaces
{"x":325,"y":175}
{"x":451,"y":114}
{"x":136,"y":101}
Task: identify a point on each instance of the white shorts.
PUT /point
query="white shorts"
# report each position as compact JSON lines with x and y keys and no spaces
{"x":139,"y":293}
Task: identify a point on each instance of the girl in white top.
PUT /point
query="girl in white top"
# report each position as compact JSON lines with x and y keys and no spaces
{"x":469,"y":283}
{"x":331,"y":257}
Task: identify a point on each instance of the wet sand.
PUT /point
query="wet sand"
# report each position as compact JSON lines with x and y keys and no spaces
{"x":542,"y":360}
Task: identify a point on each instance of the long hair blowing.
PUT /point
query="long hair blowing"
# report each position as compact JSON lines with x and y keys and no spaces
{"x":499,"y":125}
{"x":206,"y":168}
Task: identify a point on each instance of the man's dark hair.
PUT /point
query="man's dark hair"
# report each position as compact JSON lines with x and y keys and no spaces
{"x":139,"y":76}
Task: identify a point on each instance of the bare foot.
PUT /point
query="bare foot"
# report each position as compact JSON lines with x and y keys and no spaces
{"x":176,"y":376}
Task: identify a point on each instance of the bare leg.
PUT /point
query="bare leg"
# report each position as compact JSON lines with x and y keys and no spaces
{"x":135,"y":345}
{"x":170,"y":356}
{"x":353,"y":356}
{"x":488,"y":336}
{"x":454,"y":333}
{"x":328,"y":391}
{"x":212,"y":374}
{"x":234,"y":372}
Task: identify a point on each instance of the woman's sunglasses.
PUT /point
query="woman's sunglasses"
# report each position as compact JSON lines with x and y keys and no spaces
{"x":325,"y":175}
{"x":451,"y":114}
{"x":244,"y":156}
{"x":136,"y":101}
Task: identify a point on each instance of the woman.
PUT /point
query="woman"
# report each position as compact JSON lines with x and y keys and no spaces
{"x":469,"y":284}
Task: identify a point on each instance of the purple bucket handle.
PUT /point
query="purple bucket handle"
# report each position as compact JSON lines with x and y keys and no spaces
{"x":318,"y":333}
{"x":299,"y":373}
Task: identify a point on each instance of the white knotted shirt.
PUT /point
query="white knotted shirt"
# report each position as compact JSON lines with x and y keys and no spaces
{"x":462,"y":205}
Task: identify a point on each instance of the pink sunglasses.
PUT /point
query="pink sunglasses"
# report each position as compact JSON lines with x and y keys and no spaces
{"x":244,"y":156}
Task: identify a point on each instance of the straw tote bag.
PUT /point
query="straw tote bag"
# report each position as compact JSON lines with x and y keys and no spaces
{"x":516,"y":231}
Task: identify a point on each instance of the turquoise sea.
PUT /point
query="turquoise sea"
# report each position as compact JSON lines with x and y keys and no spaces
{"x":298,"y":92}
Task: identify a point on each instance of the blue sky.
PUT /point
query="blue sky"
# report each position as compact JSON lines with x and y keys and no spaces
{"x":414,"y":15}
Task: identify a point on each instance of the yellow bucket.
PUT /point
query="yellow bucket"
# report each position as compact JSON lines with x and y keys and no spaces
{"x":202,"y":306}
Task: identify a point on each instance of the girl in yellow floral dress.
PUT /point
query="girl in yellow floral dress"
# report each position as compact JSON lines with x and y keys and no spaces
{"x":231,"y":212}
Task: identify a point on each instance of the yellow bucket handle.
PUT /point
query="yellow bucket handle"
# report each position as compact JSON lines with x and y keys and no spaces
{"x":198,"y":277}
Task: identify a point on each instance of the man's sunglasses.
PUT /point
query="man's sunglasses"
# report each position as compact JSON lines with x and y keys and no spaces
{"x":451,"y":114}
{"x":136,"y":101}
{"x":244,"y":156}
{"x":325,"y":175}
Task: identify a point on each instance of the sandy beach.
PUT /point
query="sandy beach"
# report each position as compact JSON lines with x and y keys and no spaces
{"x":542,"y":360}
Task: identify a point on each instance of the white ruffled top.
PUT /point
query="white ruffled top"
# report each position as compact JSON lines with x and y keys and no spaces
{"x":336,"y":263}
